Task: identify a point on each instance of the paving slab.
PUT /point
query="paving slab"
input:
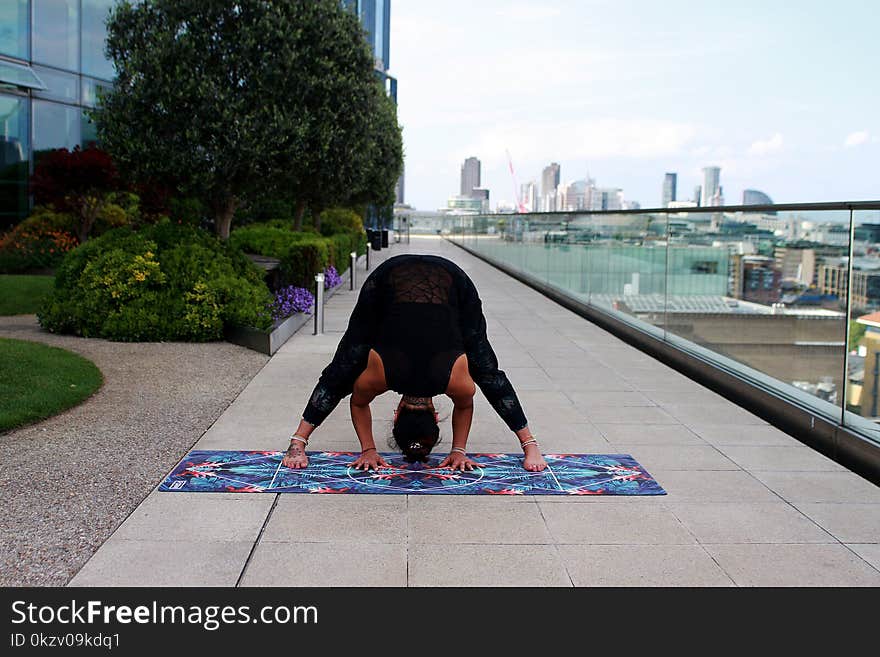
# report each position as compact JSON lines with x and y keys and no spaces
{"x":737,"y":522}
{"x":678,"y":457}
{"x":483,"y":520}
{"x":749,"y":434}
{"x":794,"y":565}
{"x":327,"y":564}
{"x":779,"y":458}
{"x":870,"y":552}
{"x":197,"y":562}
{"x":713,"y":486}
{"x":206,"y":516}
{"x":626,"y":524}
{"x":820,"y":486}
{"x":849,"y":523}
{"x":649,"y":434}
{"x":642,"y":565}
{"x":337,"y":518}
{"x":486,"y":565}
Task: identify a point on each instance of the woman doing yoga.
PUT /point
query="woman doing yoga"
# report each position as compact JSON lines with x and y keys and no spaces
{"x":418,"y":329}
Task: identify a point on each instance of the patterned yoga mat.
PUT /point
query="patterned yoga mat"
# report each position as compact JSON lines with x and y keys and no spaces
{"x":331,"y":472}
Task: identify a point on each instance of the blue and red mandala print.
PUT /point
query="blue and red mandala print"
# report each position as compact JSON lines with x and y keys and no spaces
{"x":331,"y":472}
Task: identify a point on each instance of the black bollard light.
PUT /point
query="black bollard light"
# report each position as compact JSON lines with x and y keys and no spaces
{"x":352,"y":267}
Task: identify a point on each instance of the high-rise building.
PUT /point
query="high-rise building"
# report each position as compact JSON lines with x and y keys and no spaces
{"x":470,"y":176}
{"x":549,"y":183}
{"x":375,"y":16}
{"x":711,"y":186}
{"x":528,"y":196}
{"x":577,"y":195}
{"x":670,"y":181}
{"x":550,"y":179}
{"x":698,"y":191}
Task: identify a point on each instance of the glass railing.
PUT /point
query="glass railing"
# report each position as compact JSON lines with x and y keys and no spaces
{"x":762,"y":292}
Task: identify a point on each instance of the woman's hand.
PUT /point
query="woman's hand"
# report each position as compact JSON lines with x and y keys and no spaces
{"x":457,"y":461}
{"x":296,"y":456}
{"x":534,"y":460}
{"x":369,"y":459}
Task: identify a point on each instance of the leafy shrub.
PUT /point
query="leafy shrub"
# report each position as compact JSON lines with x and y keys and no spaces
{"x":302,"y":254}
{"x":38,"y":242}
{"x":340,"y":220}
{"x":166,"y":282}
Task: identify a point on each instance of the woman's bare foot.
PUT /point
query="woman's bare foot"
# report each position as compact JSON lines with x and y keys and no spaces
{"x":534,"y":460}
{"x":295,"y":457}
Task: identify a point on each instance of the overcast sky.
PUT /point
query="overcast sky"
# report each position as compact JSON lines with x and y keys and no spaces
{"x":783,"y":95}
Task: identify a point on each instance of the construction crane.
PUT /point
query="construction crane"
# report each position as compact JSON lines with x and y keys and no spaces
{"x":520,"y":206}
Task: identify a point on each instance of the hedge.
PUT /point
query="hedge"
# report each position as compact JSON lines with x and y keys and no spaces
{"x":166,"y":282}
{"x":302,"y":254}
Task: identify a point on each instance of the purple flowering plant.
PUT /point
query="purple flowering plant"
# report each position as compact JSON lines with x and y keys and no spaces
{"x":331,"y":277}
{"x":291,"y":299}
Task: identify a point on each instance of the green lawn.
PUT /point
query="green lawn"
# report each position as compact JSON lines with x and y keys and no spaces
{"x":21,"y":295}
{"x":37,"y":381}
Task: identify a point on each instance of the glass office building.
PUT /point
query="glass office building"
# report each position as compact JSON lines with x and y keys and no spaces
{"x":375,"y":16}
{"x":51,"y":65}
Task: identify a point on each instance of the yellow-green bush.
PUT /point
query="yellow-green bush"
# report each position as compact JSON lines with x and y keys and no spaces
{"x":166,"y":282}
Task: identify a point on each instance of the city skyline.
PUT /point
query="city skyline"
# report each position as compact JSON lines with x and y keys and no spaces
{"x":769,"y":104}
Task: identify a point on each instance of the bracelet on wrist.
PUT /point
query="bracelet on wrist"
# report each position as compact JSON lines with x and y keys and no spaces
{"x":364,"y":451}
{"x":460,"y":450}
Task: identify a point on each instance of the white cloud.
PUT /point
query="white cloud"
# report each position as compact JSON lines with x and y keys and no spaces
{"x":766,"y":146}
{"x":856,"y":138}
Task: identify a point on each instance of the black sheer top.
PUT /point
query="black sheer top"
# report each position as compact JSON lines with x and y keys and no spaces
{"x":419,"y":312}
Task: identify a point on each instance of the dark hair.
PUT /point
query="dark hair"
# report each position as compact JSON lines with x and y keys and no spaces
{"x":416,"y":426}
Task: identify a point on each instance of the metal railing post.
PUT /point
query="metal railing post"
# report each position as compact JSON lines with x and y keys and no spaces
{"x":368,"y":255}
{"x":351,"y":268}
{"x":319,"y":304}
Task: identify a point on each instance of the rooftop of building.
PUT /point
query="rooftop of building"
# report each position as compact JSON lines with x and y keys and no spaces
{"x":704,"y":304}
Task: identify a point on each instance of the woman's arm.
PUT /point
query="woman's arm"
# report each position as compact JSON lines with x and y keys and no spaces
{"x":482,"y":361}
{"x":461,"y":391}
{"x":483,"y":368}
{"x":352,"y":354}
{"x":367,"y":387}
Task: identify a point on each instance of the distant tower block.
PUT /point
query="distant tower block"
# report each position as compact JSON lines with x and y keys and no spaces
{"x":470,"y":176}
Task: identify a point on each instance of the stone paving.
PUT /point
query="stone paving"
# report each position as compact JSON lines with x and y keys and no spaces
{"x":747,"y":504}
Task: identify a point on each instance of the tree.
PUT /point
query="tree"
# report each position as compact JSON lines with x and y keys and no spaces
{"x":79,"y":182}
{"x":228,"y":100}
{"x":382,"y":161}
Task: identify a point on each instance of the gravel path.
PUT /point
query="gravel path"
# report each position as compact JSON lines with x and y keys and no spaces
{"x":69,"y":481}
